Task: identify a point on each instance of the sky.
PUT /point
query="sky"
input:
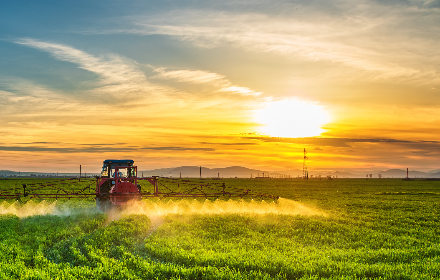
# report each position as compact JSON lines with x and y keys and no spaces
{"x":220,"y":83}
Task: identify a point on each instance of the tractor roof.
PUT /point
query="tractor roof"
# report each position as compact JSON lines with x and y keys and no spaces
{"x":119,"y":161}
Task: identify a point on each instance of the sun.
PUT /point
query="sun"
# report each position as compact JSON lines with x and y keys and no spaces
{"x":291,"y":118}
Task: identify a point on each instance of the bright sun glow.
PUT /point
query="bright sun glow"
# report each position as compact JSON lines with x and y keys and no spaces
{"x":291,"y":118}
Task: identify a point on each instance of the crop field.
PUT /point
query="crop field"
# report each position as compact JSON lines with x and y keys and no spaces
{"x":318,"y":229}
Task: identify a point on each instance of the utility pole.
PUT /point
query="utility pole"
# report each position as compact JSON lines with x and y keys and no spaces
{"x":80,"y":172}
{"x":200,"y":172}
{"x":305,"y":171}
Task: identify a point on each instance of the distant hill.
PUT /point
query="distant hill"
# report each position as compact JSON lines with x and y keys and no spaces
{"x":194,"y":171}
{"x":342,"y":174}
{"x":7,"y":172}
{"x":11,"y":173}
{"x":401,"y":173}
{"x":434,"y":175}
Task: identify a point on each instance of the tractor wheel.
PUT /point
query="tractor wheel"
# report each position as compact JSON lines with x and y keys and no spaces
{"x":103,"y":203}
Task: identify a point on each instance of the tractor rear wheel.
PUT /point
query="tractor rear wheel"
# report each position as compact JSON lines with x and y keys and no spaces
{"x":103,"y":203}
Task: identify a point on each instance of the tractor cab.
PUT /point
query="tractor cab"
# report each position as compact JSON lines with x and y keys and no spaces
{"x":118,"y":168}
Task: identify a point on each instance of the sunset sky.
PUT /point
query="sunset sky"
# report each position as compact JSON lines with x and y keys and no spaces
{"x":220,"y":83}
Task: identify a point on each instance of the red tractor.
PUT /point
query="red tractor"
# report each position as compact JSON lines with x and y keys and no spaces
{"x":119,"y":184}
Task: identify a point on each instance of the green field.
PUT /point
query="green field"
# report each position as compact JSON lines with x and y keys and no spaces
{"x":321,"y":229}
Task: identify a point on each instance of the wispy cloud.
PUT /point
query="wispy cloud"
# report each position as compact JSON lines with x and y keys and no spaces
{"x":348,"y":142}
{"x":177,"y":149}
{"x":241,"y":90}
{"x":27,"y":106}
{"x":95,"y":149}
{"x":64,"y":150}
{"x":389,"y":44}
{"x":204,"y":77}
{"x":26,"y":98}
{"x":121,"y":77}
{"x":230,"y":144}
{"x":118,"y":74}
{"x":191,"y":76}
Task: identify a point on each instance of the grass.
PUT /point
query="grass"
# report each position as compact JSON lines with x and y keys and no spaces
{"x":372,"y":229}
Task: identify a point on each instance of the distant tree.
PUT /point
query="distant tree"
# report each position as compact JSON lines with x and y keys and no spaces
{"x":379,"y":175}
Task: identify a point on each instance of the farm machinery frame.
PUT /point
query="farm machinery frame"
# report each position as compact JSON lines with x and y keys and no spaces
{"x":118,"y":184}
